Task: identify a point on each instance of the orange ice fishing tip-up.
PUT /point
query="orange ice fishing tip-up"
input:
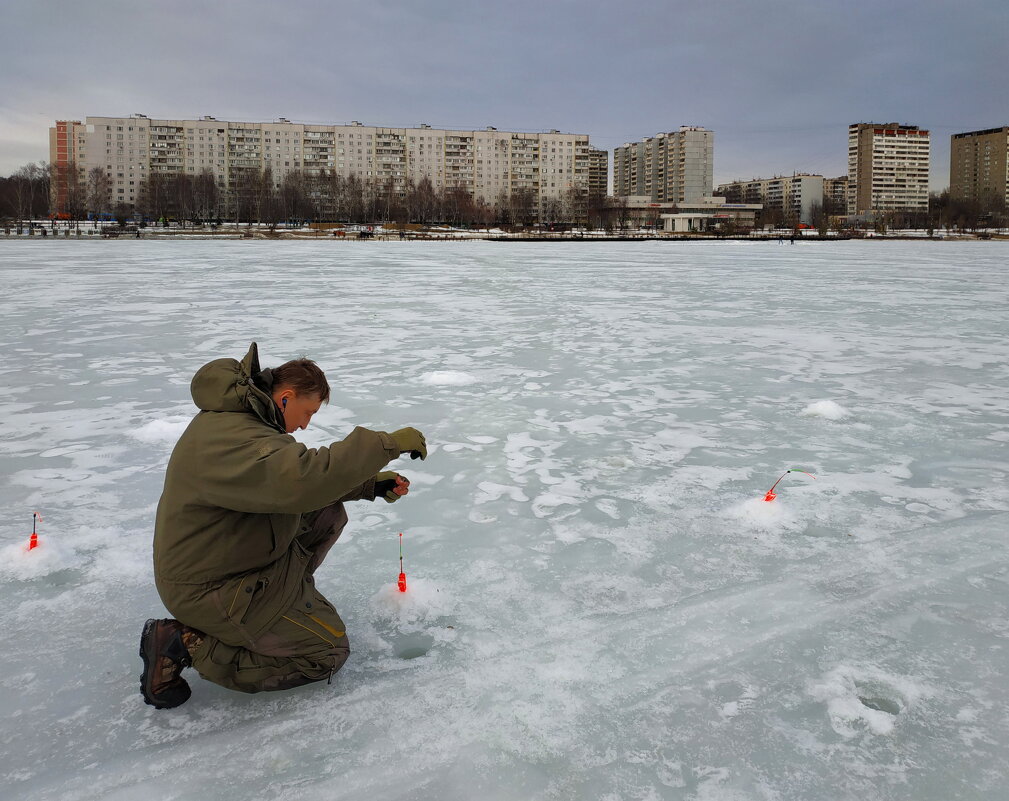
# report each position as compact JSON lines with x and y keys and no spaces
{"x":771,"y":495}
{"x":33,"y":541}
{"x":402,"y":576}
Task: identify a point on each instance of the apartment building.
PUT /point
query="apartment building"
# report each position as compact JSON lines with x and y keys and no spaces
{"x":490,"y":164}
{"x":888,"y":167}
{"x":674,"y":167}
{"x":979,"y":165}
{"x":836,"y":191}
{"x":793,"y":196}
{"x":599,"y":172}
{"x":61,"y":150}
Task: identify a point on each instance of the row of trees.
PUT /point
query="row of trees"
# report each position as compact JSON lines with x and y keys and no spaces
{"x":24,"y":195}
{"x":944,"y":212}
{"x":967,"y":214}
{"x":255,"y":196}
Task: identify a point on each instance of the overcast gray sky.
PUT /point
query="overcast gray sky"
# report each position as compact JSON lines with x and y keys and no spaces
{"x":778,"y":81}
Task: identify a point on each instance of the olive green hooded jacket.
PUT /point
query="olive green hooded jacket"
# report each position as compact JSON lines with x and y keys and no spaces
{"x":226,"y":555}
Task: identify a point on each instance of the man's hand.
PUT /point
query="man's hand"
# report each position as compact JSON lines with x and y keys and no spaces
{"x":410,"y":440}
{"x":391,"y":486}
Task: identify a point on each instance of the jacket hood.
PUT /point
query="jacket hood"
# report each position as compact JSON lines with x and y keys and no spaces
{"x":228,"y":385}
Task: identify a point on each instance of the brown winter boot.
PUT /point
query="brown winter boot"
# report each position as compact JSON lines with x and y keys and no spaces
{"x":165,"y":648}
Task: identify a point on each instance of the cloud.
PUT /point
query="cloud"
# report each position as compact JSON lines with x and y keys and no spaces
{"x":778,"y":82}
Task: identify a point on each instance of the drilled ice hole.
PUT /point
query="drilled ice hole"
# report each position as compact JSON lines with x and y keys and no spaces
{"x":411,"y":646}
{"x":879,"y":696}
{"x":880,"y":704}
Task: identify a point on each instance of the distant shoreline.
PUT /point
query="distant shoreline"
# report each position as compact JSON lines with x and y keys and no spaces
{"x":379,"y":233}
{"x":181,"y":236}
{"x":287,"y":237}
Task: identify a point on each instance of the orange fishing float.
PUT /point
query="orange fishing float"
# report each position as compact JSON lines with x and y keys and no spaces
{"x":771,"y":495}
{"x":33,"y":541}
{"x":402,"y":576}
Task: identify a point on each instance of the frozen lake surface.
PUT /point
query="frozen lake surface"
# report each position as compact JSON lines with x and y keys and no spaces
{"x":602,"y":606}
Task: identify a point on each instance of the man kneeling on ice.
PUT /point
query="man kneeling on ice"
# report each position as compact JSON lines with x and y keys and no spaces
{"x":247,"y":515}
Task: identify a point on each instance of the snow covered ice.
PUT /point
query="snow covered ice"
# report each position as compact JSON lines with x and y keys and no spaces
{"x":601,"y":604}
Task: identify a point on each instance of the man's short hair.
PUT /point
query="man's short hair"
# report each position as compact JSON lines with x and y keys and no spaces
{"x":303,"y":376}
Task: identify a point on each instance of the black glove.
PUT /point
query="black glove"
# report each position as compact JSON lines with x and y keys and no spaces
{"x":391,"y":486}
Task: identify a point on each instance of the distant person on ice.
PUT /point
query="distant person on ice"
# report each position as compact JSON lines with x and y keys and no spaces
{"x":247,"y":515}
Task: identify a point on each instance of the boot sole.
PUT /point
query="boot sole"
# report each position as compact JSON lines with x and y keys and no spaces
{"x":180,"y":690}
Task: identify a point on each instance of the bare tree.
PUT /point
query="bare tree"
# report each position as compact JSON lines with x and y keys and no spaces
{"x":552,"y":211}
{"x":354,"y":202}
{"x":27,"y":191}
{"x":621,"y":212}
{"x":264,"y":206}
{"x":25,"y":180}
{"x":522,"y":206}
{"x":337,"y":196}
{"x":205,"y":196}
{"x":317,"y":195}
{"x":43,"y":196}
{"x":181,"y":197}
{"x":98,"y":192}
{"x":68,"y":183}
{"x":423,"y":201}
{"x":458,"y":205}
{"x":772,"y":216}
{"x":293,"y":199}
{"x":246,"y":195}
{"x":157,"y":195}
{"x":372,"y":192}
{"x":502,"y":206}
{"x":385,"y":200}
{"x":833,"y":207}
{"x":269,"y":200}
{"x":597,"y":211}
{"x":6,"y":196}
{"x":575,"y":205}
{"x":483,"y":213}
{"x":789,"y":214}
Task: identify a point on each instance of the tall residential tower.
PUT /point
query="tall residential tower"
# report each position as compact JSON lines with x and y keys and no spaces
{"x":887,"y":167}
{"x":979,"y":165}
{"x":674,"y":167}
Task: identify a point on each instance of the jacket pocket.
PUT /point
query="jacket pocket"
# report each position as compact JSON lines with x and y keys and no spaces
{"x":237,"y":596}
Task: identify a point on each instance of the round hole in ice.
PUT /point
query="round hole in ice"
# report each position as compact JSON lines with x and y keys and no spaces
{"x":411,"y":646}
{"x":881,"y":704}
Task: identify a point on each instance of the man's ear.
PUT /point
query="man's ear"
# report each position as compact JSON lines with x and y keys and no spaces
{"x":284,"y":396}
